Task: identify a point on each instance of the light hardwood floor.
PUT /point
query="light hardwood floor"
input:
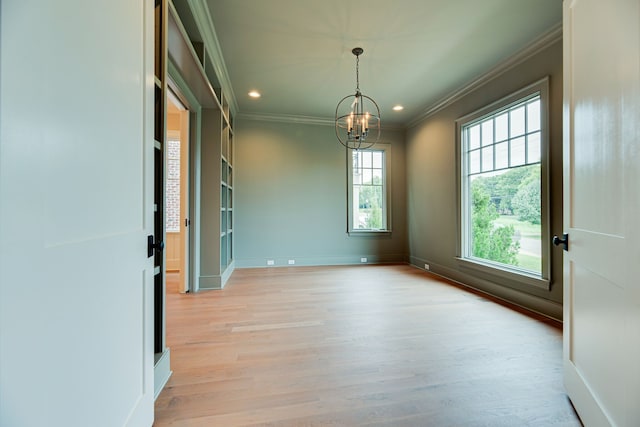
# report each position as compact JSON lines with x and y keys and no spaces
{"x":358,"y":346}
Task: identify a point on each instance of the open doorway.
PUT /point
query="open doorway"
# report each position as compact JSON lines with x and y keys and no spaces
{"x":177,"y":196}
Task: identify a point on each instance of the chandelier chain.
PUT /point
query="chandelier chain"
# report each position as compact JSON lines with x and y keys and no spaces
{"x":358,"y":73}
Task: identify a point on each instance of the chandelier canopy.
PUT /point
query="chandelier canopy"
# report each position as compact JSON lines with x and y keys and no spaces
{"x":357,"y":116}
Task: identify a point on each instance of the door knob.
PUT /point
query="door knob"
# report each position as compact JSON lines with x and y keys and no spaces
{"x":564,"y":241}
{"x":152,"y":246}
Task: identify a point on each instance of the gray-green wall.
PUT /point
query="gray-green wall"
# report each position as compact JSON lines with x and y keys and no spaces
{"x":431,"y":183}
{"x":290,"y":191}
{"x":291,"y":202}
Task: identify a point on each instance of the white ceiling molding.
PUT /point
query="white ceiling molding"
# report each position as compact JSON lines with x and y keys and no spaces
{"x":305,"y":120}
{"x":539,"y":44}
{"x":203,"y":19}
{"x":284,"y":118}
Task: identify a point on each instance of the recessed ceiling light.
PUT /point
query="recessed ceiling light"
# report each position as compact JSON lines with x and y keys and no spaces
{"x":398,"y":108}
{"x":254,"y":94}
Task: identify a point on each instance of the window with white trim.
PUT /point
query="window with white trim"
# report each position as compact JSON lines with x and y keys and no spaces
{"x":503,"y":186}
{"x":368,"y":190}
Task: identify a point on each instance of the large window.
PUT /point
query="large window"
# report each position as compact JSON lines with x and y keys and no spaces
{"x":368,"y":190}
{"x":503,"y":203}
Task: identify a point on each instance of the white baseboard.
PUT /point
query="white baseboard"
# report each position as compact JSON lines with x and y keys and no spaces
{"x":533,"y":303}
{"x":216,"y":282}
{"x":321,"y":261}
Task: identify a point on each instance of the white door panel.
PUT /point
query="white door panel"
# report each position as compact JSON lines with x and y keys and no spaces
{"x":602,"y":199}
{"x":76,"y":287}
{"x":598,"y":336}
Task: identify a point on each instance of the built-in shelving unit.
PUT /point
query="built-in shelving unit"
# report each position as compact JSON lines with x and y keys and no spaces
{"x":226,"y":197}
{"x":192,"y":54}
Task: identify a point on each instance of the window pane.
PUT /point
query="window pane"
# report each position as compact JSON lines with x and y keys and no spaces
{"x":355,"y":164}
{"x":366,"y":159}
{"x":474,"y":137}
{"x":505,"y":218}
{"x":502,"y":155}
{"x":357,"y":177}
{"x":372,"y":208}
{"x":474,"y":161}
{"x":356,"y":207}
{"x":533,"y":148}
{"x":377,"y":159}
{"x":517,"y":152}
{"x":487,"y":132}
{"x":533,"y":116}
{"x":366,"y":176}
{"x":377,"y":176}
{"x":517,"y":122}
{"x":487,"y":158}
{"x":502,"y":127}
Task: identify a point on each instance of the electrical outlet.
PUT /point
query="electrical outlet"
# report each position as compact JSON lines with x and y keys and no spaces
{"x":363,"y":259}
{"x":426,"y":267}
{"x":292,"y":261}
{"x":270,"y":262}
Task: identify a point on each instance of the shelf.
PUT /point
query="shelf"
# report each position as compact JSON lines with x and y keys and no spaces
{"x":183,"y":55}
{"x":210,"y":72}
{"x":189,"y":24}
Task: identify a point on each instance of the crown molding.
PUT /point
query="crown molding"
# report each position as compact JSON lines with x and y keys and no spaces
{"x":305,"y":120}
{"x":286,"y":118}
{"x":536,"y":46}
{"x":203,"y":19}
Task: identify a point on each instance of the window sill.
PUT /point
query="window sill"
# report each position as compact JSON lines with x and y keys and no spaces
{"x":516,"y":276}
{"x":369,"y":232}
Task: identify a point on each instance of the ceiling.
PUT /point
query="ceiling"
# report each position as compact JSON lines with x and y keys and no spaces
{"x":297,"y":53}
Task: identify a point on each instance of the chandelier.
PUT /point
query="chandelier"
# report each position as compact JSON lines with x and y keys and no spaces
{"x":357,"y":116}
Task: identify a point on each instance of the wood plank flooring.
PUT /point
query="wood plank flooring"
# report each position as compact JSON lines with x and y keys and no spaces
{"x":358,"y":346}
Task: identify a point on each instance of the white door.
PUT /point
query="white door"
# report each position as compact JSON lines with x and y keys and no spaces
{"x":76,"y":147}
{"x":602,"y":210}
